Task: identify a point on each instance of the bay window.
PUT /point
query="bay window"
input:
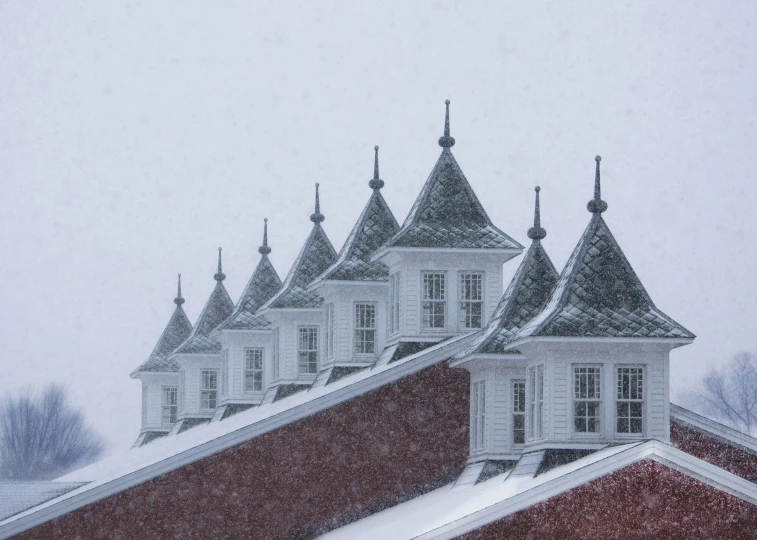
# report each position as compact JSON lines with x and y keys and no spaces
{"x":630,"y":400}
{"x":434,"y":300}
{"x":471,"y":294}
{"x":365,"y":328}
{"x":307,"y":349}
{"x":209,"y":389}
{"x":587,"y":408}
{"x":253,"y":370}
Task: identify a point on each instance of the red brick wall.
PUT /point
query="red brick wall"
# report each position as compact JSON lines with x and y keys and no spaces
{"x":707,"y":448}
{"x":645,"y":500}
{"x":357,"y":456}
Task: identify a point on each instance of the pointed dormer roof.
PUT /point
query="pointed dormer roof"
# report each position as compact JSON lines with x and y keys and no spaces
{"x":315,"y":257}
{"x":447,"y":213}
{"x":374,"y":227}
{"x":263,"y":284}
{"x":524,"y":298}
{"x":217,"y":309}
{"x":176,"y":331}
{"x":599,"y":295}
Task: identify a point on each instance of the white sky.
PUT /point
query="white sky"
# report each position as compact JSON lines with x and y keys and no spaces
{"x":135,"y":139}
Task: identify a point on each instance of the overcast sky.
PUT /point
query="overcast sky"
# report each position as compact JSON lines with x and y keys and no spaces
{"x":137,"y":138}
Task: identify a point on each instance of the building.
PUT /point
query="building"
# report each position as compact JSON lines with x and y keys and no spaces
{"x":394,"y":390}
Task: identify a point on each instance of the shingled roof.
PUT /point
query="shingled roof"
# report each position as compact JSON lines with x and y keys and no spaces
{"x":217,"y":309}
{"x":263,"y":284}
{"x":175,"y":332}
{"x":315,"y":257}
{"x":599,"y":294}
{"x":447,"y":213}
{"x":524,"y":298}
{"x":374,"y":227}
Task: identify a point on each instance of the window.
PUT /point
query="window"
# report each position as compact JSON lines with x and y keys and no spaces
{"x":253,"y":370}
{"x":144,"y":405}
{"x":471,"y":294}
{"x":478,"y":415}
{"x":394,"y":303}
{"x":586,"y":399}
{"x":170,"y":405}
{"x":275,"y":353}
{"x":209,"y":389}
{"x":330,"y":330}
{"x":630,"y":400}
{"x":519,"y":412}
{"x":536,"y":402}
{"x":365,"y":328}
{"x":224,"y":372}
{"x":433,"y":300}
{"x":308,"y":349}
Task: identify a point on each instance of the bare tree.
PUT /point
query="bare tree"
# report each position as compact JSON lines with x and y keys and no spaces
{"x":42,"y":437}
{"x":729,"y":394}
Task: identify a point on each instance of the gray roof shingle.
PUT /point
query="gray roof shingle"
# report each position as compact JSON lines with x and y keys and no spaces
{"x":175,"y":332}
{"x":217,"y":309}
{"x":263,"y":284}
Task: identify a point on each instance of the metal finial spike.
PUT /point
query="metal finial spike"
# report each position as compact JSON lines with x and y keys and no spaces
{"x":446,"y":141}
{"x":317,"y":217}
{"x":376,"y":182}
{"x":178,"y":300}
{"x":597,"y":205}
{"x":264,"y":249}
{"x":220,"y":276}
{"x":536,"y":232}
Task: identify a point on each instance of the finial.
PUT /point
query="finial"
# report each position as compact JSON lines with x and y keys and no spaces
{"x":317,"y":217}
{"x":536,"y":232}
{"x":220,"y":276}
{"x":597,"y":205}
{"x":376,"y":183}
{"x":178,"y":300}
{"x":446,"y":141}
{"x":264,"y":249}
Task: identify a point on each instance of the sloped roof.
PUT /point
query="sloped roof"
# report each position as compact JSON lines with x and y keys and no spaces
{"x":17,"y":496}
{"x":175,"y":332}
{"x":524,"y":298}
{"x":263,"y":284}
{"x":599,"y":295}
{"x":217,"y":309}
{"x":315,"y":256}
{"x":374,"y":227}
{"x":447,"y":214}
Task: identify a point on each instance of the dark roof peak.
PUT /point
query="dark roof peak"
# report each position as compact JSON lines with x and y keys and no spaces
{"x":178,"y":300}
{"x":446,"y":141}
{"x":536,"y":232}
{"x":376,"y":182}
{"x":264,"y":249}
{"x":317,"y":217}
{"x":597,"y":205}
{"x":220,"y":276}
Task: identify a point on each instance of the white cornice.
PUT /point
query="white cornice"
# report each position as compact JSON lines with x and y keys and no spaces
{"x":674,"y":342}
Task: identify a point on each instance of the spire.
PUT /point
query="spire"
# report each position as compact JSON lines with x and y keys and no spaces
{"x":317,"y":217}
{"x":220,"y":276}
{"x":178,"y":300}
{"x":597,"y":205}
{"x":446,"y":141}
{"x":264,"y":249}
{"x":536,"y":232}
{"x":376,"y":183}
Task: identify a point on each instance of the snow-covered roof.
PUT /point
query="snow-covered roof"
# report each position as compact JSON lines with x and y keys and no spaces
{"x":217,"y":309}
{"x":138,"y":465}
{"x":263,"y":284}
{"x":453,"y":510}
{"x":16,"y":496}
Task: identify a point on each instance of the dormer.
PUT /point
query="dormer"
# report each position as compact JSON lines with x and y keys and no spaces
{"x":159,"y":375}
{"x":445,"y":262}
{"x":247,"y":340}
{"x":498,"y":375}
{"x":296,"y":315}
{"x":354,"y":289}
{"x":597,"y":367}
{"x":199,"y":359}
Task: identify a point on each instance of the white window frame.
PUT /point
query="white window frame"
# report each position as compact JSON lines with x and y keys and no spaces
{"x":434,"y":307}
{"x":310,"y":354}
{"x":208,"y":391}
{"x":535,"y":397}
{"x":478,"y":416}
{"x":630,"y":400}
{"x":225,"y":373}
{"x":275,"y":354}
{"x":518,"y":387}
{"x":394,"y":303}
{"x":165,"y":408}
{"x":329,"y":337}
{"x":364,"y":337}
{"x":466,"y":306}
{"x":587,"y":393}
{"x":144,"y":404}
{"x":253,"y":356}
